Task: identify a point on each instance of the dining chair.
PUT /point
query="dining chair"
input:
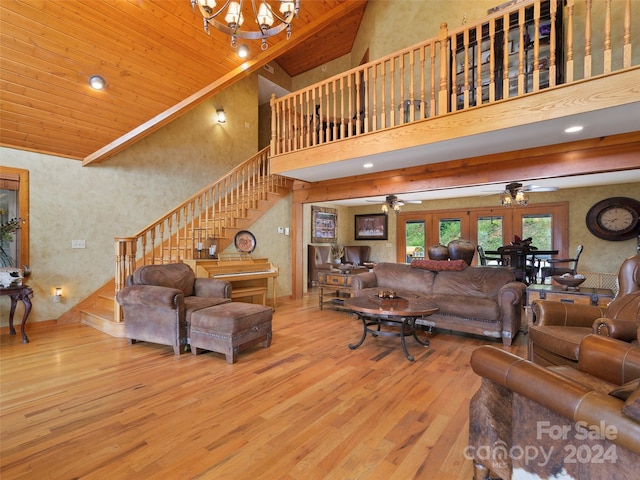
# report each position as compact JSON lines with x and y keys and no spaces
{"x":521,"y":260}
{"x":484,"y":259}
{"x":553,"y":268}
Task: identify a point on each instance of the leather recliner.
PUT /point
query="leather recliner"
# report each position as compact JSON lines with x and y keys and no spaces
{"x":529,"y":421}
{"x":555,"y":338}
{"x":158,"y":301}
{"x":357,"y":254}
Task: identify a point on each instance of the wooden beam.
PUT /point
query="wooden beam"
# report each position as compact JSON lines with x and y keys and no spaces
{"x":598,"y":155}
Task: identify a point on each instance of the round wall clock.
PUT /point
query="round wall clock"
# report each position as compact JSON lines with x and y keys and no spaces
{"x":616,"y":218}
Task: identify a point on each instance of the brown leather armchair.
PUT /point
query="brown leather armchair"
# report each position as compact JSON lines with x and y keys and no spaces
{"x":318,"y":261}
{"x":555,"y":338}
{"x":535,"y":422}
{"x":158,"y":301}
{"x":357,"y":254}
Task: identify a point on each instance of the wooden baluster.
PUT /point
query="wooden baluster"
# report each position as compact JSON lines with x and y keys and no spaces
{"x":444,"y":86}
{"x":359,"y":102}
{"x":432,"y":87}
{"x":374,"y":87}
{"x":506,"y":88}
{"x":587,"y":39}
{"x":479,"y":65}
{"x":492,"y":61}
{"x":365,"y":107}
{"x":275,"y":147}
{"x":521,"y":30}
{"x":350,"y":103}
{"x":568,"y":73}
{"x":626,"y":36}
{"x":423,"y":104}
{"x":552,"y":45}
{"x":412,"y":97}
{"x":343,"y":126}
{"x":401,"y":78}
{"x":536,"y":46}
{"x":392,"y":90}
{"x":465,"y":42}
{"x":383,"y":95}
{"x":335,"y":110}
{"x":607,"y":37}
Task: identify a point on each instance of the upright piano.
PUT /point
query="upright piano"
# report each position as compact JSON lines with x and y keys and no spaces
{"x":249,"y":276}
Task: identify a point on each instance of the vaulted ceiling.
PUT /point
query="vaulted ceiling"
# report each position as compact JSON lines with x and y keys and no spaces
{"x":154,"y":55}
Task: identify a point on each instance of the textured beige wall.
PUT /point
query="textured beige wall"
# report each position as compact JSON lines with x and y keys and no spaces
{"x":124,"y":194}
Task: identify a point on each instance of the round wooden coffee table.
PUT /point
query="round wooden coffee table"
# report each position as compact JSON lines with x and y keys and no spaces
{"x":399,"y":313}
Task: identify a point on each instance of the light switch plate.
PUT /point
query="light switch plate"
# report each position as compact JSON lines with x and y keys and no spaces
{"x":78,"y":244}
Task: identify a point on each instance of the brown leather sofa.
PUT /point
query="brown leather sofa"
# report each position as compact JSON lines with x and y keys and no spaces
{"x":484,"y":301}
{"x":555,"y":338}
{"x":529,"y":421}
{"x":158,"y":301}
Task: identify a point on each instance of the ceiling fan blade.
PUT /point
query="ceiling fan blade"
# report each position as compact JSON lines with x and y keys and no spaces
{"x":417,"y":202}
{"x":536,"y":188}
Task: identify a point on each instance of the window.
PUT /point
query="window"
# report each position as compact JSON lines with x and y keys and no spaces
{"x":415,"y":239}
{"x":490,"y":232}
{"x":14,"y":205}
{"x":450,"y":229}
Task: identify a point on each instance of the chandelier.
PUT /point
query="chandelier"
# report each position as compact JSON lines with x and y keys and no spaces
{"x":513,"y":195}
{"x":264,"y":17}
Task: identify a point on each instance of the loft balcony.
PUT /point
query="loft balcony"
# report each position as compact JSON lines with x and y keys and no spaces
{"x":511,"y":81}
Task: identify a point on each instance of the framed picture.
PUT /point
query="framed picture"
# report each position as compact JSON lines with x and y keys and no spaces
{"x":324,"y":225}
{"x":372,"y":226}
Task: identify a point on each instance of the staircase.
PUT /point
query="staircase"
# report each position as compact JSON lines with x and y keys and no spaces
{"x":214,"y":215}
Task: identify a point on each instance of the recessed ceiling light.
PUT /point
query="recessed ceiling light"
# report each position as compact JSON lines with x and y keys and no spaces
{"x":367,"y":165}
{"x":243,"y":51}
{"x":96,"y":82}
{"x":573,"y":129}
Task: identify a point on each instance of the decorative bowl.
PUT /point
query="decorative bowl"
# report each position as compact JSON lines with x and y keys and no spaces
{"x":568,"y":282}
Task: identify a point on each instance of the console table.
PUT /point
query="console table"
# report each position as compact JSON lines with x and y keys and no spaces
{"x":24,"y":294}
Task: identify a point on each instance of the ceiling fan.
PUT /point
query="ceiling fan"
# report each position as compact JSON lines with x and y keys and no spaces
{"x":516,"y":194}
{"x":392,"y":202}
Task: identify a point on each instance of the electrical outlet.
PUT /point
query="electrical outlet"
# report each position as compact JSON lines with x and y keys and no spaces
{"x":78,"y":244}
{"x":280,"y":229}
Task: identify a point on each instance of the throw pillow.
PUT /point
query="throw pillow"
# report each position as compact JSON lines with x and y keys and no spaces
{"x":440,"y":265}
{"x":623,"y":391}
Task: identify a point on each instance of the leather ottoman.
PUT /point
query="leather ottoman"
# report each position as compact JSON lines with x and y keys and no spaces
{"x":229,"y":327}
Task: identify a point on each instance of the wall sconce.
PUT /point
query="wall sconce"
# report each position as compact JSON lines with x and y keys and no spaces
{"x":57,"y":295}
{"x":96,"y":82}
{"x":222,"y":118}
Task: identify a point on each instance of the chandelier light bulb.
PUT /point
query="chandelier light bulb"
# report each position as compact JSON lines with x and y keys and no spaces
{"x":265,"y":17}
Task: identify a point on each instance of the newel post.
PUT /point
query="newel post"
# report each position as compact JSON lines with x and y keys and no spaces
{"x":125,"y":265}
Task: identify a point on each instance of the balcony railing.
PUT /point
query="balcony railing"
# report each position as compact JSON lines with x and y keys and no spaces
{"x":520,"y":49}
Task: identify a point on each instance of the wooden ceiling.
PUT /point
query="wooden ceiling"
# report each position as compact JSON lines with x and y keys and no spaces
{"x":154,"y":55}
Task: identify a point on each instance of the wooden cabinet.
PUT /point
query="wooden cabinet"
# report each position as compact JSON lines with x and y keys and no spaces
{"x":333,"y":287}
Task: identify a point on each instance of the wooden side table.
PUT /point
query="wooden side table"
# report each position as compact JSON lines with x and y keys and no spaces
{"x":24,"y":294}
{"x":334,"y":286}
{"x":556,"y":293}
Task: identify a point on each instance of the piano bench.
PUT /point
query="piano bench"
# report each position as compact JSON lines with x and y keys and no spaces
{"x":230,"y":327}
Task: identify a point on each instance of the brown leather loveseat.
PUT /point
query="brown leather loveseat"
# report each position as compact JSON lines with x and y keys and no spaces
{"x":529,"y":421}
{"x":484,"y":301}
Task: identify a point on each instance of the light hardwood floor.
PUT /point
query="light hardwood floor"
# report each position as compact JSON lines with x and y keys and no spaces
{"x":77,"y":403}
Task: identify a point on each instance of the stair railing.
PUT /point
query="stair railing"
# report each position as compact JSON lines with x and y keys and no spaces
{"x":187,"y":231}
{"x":475,"y":64}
